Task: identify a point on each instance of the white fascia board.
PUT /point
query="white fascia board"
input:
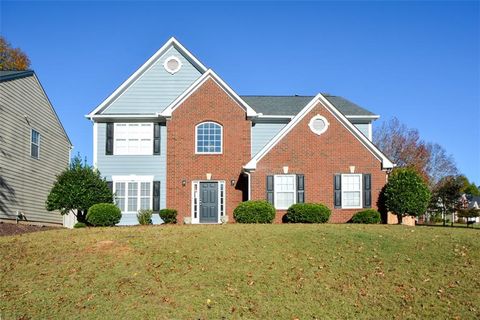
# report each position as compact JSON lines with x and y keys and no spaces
{"x":123,"y":116}
{"x":386,"y":163}
{"x":210,"y":74}
{"x":134,"y":77}
{"x":356,"y":117}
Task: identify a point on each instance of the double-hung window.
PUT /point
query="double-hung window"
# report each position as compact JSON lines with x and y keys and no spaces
{"x":285,"y":191}
{"x":131,"y":196}
{"x":208,"y":138}
{"x":351,"y":191}
{"x":133,"y":139}
{"x":35,"y":144}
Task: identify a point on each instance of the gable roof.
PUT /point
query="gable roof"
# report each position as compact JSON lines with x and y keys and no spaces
{"x":15,"y":75}
{"x":386,"y":163}
{"x":12,"y":75}
{"x":292,"y":105}
{"x":151,"y":61}
{"x":210,"y":74}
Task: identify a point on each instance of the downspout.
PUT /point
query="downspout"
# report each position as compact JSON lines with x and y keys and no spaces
{"x":249,"y":184}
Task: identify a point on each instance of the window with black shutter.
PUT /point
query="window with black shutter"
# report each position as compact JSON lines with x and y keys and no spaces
{"x":367,"y":190}
{"x":300,"y":188}
{"x":156,"y":196}
{"x":109,"y":139}
{"x":270,"y":190}
{"x":156,"y":139}
{"x":337,"y":187}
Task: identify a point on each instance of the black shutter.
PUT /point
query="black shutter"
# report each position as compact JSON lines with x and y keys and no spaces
{"x":156,"y":196}
{"x":110,"y":185}
{"x":300,"y":188}
{"x":337,"y":187}
{"x":109,"y":139}
{"x":270,"y":190}
{"x":156,"y":138}
{"x":367,"y":190}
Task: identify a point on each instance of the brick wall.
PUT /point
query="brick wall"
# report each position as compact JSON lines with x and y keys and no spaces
{"x":319,"y":158}
{"x":209,"y":103}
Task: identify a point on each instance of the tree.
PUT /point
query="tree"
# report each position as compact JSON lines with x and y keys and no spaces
{"x":446,"y":196}
{"x":440,"y":164}
{"x":406,"y":193}
{"x":12,"y":58}
{"x":403,"y":146}
{"x":471,"y":189}
{"x":77,"y":189}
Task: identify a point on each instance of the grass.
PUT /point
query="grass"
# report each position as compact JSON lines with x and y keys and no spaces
{"x":242,"y":271}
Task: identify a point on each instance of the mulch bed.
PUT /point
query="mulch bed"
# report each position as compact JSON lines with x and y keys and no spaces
{"x":11,"y":229}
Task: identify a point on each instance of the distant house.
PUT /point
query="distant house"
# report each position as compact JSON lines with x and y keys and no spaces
{"x":34,"y":148}
{"x":176,"y":135}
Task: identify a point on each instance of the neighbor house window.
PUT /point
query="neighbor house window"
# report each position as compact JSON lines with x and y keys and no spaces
{"x":131,"y":196}
{"x":208,"y":138}
{"x":35,"y":144}
{"x":133,"y":139}
{"x":284,"y":191}
{"x":351,"y":191}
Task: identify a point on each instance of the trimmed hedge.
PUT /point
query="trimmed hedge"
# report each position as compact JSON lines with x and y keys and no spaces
{"x":307,"y":213}
{"x":79,"y":225}
{"x":144,"y":217}
{"x":168,"y":216}
{"x":369,"y":216}
{"x":104,"y":215}
{"x":258,"y":211}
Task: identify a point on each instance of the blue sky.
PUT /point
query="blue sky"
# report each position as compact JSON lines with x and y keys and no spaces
{"x":418,"y":61}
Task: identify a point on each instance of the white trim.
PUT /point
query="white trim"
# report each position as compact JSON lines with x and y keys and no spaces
{"x":95,"y":144}
{"x":171,"y":42}
{"x":356,"y":117}
{"x":261,"y":115}
{"x":221,"y":138}
{"x":210,"y":74}
{"x":275,"y":198}
{"x":172,"y":71}
{"x":360,"y":190}
{"x":127,"y":116}
{"x":319,"y":117}
{"x":197,"y":196}
{"x":370,"y":132}
{"x":319,"y":98}
{"x":133,"y":179}
{"x":366,"y":117}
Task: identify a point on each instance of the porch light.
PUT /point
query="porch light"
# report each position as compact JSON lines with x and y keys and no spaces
{"x":184,"y":182}
{"x":232,"y":182}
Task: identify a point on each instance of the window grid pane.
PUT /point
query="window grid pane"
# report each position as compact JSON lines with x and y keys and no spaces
{"x":284,"y":191}
{"x":133,"y":138}
{"x":209,"y":138}
{"x":351,"y":190}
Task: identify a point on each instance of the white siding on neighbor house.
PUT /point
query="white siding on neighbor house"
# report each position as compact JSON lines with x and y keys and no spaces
{"x":262,"y":133}
{"x":140,"y":165}
{"x":156,"y":88}
{"x":25,"y":182}
{"x":364,"y":128}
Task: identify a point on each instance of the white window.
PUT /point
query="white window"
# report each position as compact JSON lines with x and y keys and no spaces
{"x":318,"y":124}
{"x":133,"y":139}
{"x":172,"y":64}
{"x":285,"y":188}
{"x":131,"y":196}
{"x":35,"y":144}
{"x":208,"y":138}
{"x":351,"y":191}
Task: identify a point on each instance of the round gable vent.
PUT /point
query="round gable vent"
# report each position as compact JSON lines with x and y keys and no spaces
{"x":172,"y":64}
{"x":318,"y":124}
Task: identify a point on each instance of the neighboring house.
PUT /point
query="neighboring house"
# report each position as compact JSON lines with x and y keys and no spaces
{"x":469,"y":201}
{"x":176,"y":135}
{"x":34,"y":148}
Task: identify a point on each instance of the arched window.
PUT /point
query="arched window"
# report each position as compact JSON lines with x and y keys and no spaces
{"x":208,"y":138}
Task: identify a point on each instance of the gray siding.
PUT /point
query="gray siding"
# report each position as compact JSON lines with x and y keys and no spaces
{"x":156,"y":88}
{"x":363,"y":127}
{"x":113,"y":165}
{"x":262,"y":133}
{"x":25,"y":182}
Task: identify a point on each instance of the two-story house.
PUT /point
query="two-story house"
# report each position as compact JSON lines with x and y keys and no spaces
{"x":34,"y":149}
{"x":175,"y":135}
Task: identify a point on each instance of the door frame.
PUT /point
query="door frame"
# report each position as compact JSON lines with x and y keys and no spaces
{"x":195,"y":203}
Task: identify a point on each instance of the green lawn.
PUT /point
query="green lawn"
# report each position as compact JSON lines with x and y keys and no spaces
{"x":242,"y":271}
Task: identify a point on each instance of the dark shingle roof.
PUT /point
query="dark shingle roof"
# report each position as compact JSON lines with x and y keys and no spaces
{"x":291,"y":105}
{"x":11,"y":75}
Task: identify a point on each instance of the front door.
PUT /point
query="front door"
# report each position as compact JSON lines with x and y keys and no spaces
{"x":208,"y":202}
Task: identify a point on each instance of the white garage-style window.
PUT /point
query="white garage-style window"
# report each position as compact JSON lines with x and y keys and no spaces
{"x":351,"y":191}
{"x":133,"y":195}
{"x":285,"y":189}
{"x":133,"y":139}
{"x":208,"y":138}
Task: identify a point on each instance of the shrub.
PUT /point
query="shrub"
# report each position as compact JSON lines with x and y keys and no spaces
{"x":307,"y":213}
{"x":369,"y":216}
{"x":144,"y":217}
{"x":104,"y":215}
{"x":258,"y":211}
{"x":168,"y":215}
{"x":79,"y":225}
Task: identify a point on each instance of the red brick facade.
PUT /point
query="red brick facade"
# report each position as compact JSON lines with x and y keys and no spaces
{"x":319,"y":157}
{"x":208,"y":103}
